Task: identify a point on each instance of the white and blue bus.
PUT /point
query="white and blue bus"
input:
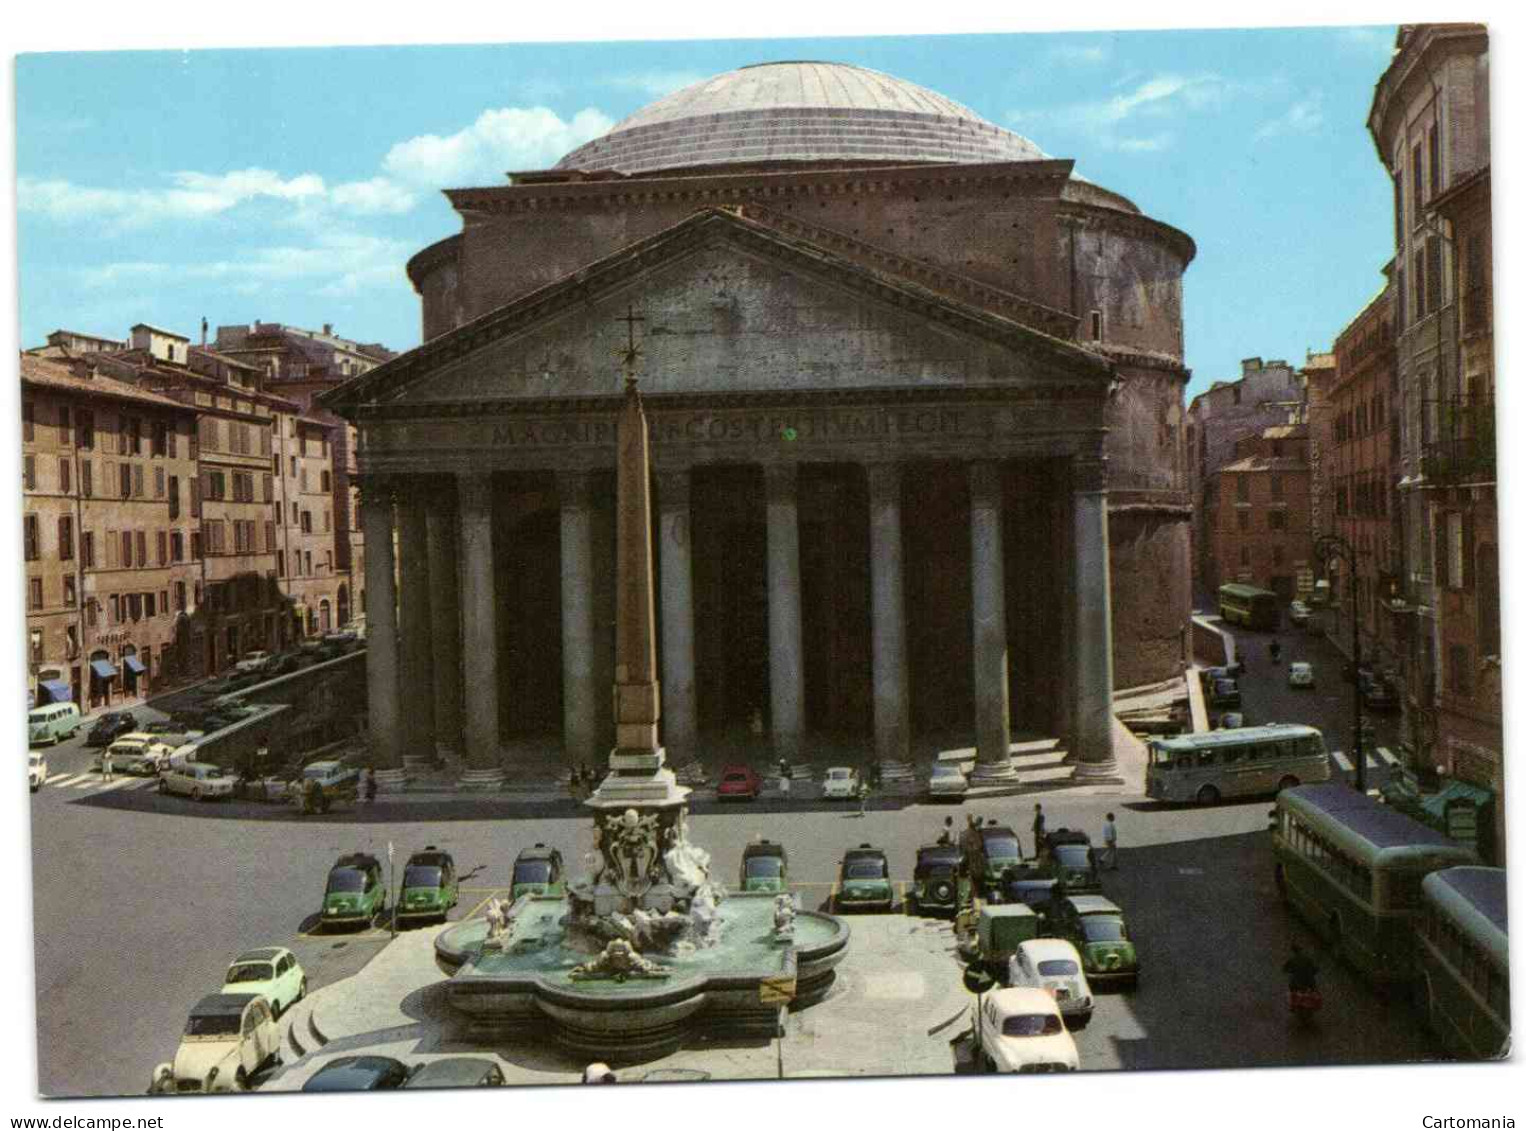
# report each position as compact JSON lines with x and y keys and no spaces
{"x":1462,"y":947}
{"x":1241,"y":762}
{"x":1352,"y":868}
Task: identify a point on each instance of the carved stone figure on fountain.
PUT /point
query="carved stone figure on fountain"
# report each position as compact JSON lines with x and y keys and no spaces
{"x":618,"y":961}
{"x":784,"y":918}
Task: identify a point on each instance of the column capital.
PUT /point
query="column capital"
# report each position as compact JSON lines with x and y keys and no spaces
{"x":673,"y":487}
{"x":985,"y":483}
{"x":780,"y":480}
{"x":1088,"y":473}
{"x":377,"y":488}
{"x":574,"y":489}
{"x":884,"y":482}
{"x":474,"y":489}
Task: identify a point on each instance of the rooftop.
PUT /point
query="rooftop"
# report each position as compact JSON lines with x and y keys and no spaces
{"x":50,"y":373}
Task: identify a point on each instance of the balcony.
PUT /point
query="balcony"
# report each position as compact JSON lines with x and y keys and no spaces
{"x":1459,"y":442}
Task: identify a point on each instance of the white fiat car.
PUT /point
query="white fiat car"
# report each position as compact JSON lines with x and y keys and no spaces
{"x":272,"y":972}
{"x":1300,"y":674}
{"x":1053,"y":966}
{"x":840,"y":784}
{"x":139,"y":753}
{"x":1021,"y":1031}
{"x":199,"y":781}
{"x":228,"y":1038}
{"x":36,"y":769}
{"x":947,"y":781}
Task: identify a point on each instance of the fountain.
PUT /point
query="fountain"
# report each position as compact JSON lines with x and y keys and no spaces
{"x":648,"y":947}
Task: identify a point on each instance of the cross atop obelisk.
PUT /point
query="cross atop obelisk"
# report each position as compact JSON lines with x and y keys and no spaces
{"x":630,"y":353}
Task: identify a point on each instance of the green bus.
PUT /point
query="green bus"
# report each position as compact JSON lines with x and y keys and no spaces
{"x":1249,"y":606}
{"x":1463,"y":949}
{"x":1352,"y":868}
{"x":1240,"y":762}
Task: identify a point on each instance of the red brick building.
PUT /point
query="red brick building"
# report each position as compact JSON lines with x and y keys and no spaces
{"x":1261,"y":534}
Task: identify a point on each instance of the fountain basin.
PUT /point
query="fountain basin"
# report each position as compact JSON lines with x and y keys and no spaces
{"x":728,"y":989}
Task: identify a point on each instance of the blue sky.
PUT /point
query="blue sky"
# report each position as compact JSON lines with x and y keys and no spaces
{"x":292,"y":184}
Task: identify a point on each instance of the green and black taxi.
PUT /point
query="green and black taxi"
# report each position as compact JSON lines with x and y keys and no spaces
{"x":765,"y":866}
{"x":355,"y":892}
{"x":538,"y":870}
{"x":1068,"y":853}
{"x":1097,"y":929}
{"x":990,"y":849}
{"x":430,"y":886}
{"x":863,"y":883}
{"x":939,"y":881}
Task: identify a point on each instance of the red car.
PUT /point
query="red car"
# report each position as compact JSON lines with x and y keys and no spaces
{"x":739,"y":782}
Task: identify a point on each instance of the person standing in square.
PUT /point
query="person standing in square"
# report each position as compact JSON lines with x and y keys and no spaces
{"x":1110,"y":843}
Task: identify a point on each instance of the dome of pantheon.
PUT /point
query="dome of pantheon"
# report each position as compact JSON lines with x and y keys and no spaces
{"x":799,"y":112}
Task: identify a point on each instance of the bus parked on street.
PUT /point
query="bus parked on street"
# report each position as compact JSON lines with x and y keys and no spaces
{"x":1352,"y":868}
{"x":1246,"y":605}
{"x":1241,"y":762}
{"x":1463,"y":952}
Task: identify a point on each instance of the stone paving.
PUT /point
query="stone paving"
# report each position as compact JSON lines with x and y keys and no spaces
{"x":897,"y":1005}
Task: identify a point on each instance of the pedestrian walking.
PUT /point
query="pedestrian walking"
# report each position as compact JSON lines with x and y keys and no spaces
{"x":1110,"y":843}
{"x":106,"y":774}
{"x":1038,"y":830}
{"x":784,"y":783}
{"x":370,"y":785}
{"x":863,"y":797}
{"x":947,"y":835}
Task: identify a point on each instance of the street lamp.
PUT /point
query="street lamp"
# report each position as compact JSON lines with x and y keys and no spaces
{"x":1326,"y":547}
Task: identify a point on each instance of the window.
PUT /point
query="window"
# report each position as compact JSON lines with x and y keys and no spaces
{"x":267,"y":488}
{"x":1458,"y":674}
{"x":174,"y":496}
{"x":293,"y":467}
{"x":1277,"y":555}
{"x":307,"y":522}
{"x":1417,"y":265}
{"x":92,"y":608}
{"x":85,"y":429}
{"x":1433,"y":144}
{"x":325,"y":481}
{"x":1416,"y":182}
{"x":1277,"y":520}
{"x":1096,"y":325}
{"x":124,"y":479}
{"x":134,"y":608}
{"x":149,"y":606}
{"x":328,"y":521}
{"x":132,"y":435}
{"x":127,"y":549}
{"x":177,"y":546}
{"x":1242,"y":488}
{"x":270,"y":537}
{"x":31,"y":538}
{"x":1433,"y":276}
{"x":66,"y":538}
{"x":142,"y":548}
{"x":34,"y":593}
{"x":161,"y":543}
{"x":1277,"y":487}
{"x":87,"y":478}
{"x":137,"y":481}
{"x":195,"y":485}
{"x":87,"y":549}
{"x":1245,"y":555}
{"x":29,"y":473}
{"x":65,"y":426}
{"x":65,"y":476}
{"x":28,"y":422}
{"x":281,"y":563}
{"x":196,"y":550}
{"x":180,"y":596}
{"x":158,"y":482}
{"x":1243,"y":520}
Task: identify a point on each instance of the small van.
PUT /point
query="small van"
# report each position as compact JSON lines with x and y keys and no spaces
{"x":53,"y":722}
{"x":1001,"y":930}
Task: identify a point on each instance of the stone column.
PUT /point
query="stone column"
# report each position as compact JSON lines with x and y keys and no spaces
{"x":382,"y":700}
{"x":892,"y":729}
{"x":988,"y":609}
{"x":680,"y":714}
{"x":479,"y":627}
{"x":786,"y":676}
{"x":417,"y":682}
{"x":1091,"y":743}
{"x":579,"y":693}
{"x":445,"y":610}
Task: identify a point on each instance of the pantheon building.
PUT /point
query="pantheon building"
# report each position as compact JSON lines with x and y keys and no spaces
{"x":915,"y":401}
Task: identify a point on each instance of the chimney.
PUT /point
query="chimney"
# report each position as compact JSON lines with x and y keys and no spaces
{"x":328,"y":328}
{"x":203,"y":331}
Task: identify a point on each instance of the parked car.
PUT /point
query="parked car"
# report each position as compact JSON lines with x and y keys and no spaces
{"x":1224,"y":671}
{"x":1224,"y":693}
{"x":1021,"y":1030}
{"x":1378,"y":694}
{"x":863,"y":882}
{"x":938,"y":880}
{"x":332,"y":775}
{"x":1301,"y":674}
{"x":1070,"y":857}
{"x":765,"y":866}
{"x":840,"y":784}
{"x":990,"y":850}
{"x":138,"y":753}
{"x":199,"y":781}
{"x":110,"y":727}
{"x":1031,"y":883}
{"x":456,"y":1072}
{"x":356,"y":892}
{"x":36,"y":769}
{"x":430,"y":885}
{"x":358,"y":1074}
{"x":998,"y":933}
{"x":53,"y":722}
{"x":272,"y":972}
{"x":1052,"y":965}
{"x":739,"y":783}
{"x":228,"y":1038}
{"x":537,"y":870}
{"x":1095,"y":927}
{"x":253,"y":662}
{"x":947,"y":783}
{"x":1299,"y":613}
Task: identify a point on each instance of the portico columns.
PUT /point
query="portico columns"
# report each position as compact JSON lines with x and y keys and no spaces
{"x":479,"y":624}
{"x":417,"y":650}
{"x":892,"y":742}
{"x":1092,"y":618}
{"x":382,"y":707}
{"x":579,"y":702}
{"x":680,"y":720}
{"x":988,"y":609}
{"x":786,"y":674}
{"x":445,"y":610}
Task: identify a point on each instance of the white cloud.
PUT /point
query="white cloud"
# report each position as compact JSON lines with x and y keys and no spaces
{"x":193,"y":195}
{"x":656,"y":84}
{"x":1302,"y":117}
{"x":1146,"y":144}
{"x":1111,"y":122}
{"x":499,"y":141}
{"x":378,"y":195}
{"x":1078,"y":53}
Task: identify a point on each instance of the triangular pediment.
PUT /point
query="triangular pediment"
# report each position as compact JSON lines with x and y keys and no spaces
{"x":725,"y":305}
